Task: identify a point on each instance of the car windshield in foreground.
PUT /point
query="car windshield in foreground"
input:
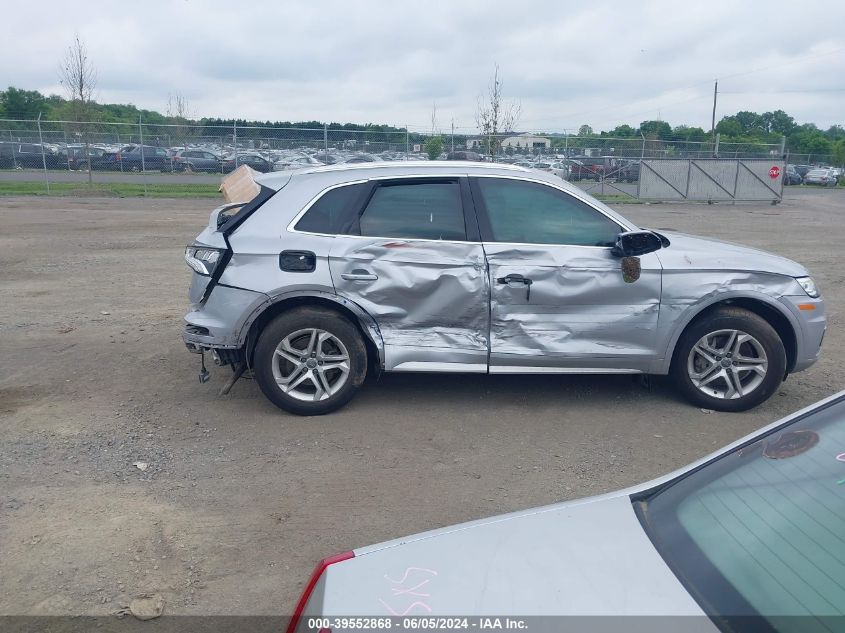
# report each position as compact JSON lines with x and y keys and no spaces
{"x":759,"y":531}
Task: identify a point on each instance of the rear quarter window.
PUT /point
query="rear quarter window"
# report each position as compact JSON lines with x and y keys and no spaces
{"x":331,"y":212}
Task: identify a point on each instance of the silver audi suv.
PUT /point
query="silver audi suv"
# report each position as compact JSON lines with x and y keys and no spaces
{"x":331,"y":273}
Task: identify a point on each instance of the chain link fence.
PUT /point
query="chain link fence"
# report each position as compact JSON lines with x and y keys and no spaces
{"x":154,"y":153}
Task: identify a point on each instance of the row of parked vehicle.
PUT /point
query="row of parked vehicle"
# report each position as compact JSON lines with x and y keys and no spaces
{"x":809,"y":175}
{"x":200,"y":158}
{"x":214,"y":158}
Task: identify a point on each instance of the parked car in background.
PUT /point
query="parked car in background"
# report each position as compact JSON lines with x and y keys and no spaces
{"x":256,"y":161}
{"x":791,"y":176}
{"x":295,"y":162}
{"x":135,"y":158}
{"x":747,"y":538}
{"x":592,"y":168}
{"x":332,"y":272}
{"x":824,"y":177}
{"x":561,"y":170}
{"x":75,"y":158}
{"x":465,"y":155}
{"x":803,"y":169}
{"x":196,"y":160}
{"x":327,"y":158}
{"x":628,"y":171}
{"x":16,"y":155}
{"x":360,"y":158}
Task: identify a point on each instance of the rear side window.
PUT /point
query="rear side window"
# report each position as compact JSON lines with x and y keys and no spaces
{"x":331,"y":212}
{"x":430,"y":211}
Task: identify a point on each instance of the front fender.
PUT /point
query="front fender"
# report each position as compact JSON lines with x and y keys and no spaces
{"x":685,"y":300}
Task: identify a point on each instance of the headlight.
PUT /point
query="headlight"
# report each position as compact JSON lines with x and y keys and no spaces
{"x":809,"y":286}
{"x":203,"y":259}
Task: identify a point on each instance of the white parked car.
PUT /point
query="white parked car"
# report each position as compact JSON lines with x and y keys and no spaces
{"x":824,"y":177}
{"x":746,"y":539}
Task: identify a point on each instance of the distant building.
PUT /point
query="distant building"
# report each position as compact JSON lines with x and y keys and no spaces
{"x":527,"y":141}
{"x":476,"y":143}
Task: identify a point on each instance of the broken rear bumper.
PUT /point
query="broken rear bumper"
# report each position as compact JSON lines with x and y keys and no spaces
{"x":219,"y":323}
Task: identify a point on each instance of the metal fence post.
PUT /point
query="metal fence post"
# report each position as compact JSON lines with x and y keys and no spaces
{"x":716,"y":147}
{"x":143,"y":163}
{"x":407,"y":144}
{"x":43,"y":157}
{"x":326,"y":140}
{"x":235,"y":140}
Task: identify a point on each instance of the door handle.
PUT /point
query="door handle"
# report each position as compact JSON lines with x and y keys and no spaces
{"x":516,"y":278}
{"x":359,"y":276}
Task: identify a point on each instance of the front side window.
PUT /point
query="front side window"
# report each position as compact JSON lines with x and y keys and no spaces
{"x":532,"y":213}
{"x":759,"y":530}
{"x":425,"y":210}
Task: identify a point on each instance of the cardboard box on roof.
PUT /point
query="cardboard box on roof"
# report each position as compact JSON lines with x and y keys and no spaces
{"x":240,"y":185}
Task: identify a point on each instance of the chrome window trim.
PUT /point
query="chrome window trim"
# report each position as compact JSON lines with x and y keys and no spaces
{"x":519,"y":177}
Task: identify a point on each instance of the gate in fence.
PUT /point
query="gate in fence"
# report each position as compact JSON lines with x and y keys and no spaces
{"x":711,"y":180}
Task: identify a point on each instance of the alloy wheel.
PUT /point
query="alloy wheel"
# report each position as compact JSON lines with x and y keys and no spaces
{"x":311,"y":365}
{"x":727,"y":364}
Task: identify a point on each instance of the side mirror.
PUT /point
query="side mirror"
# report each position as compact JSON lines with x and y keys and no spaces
{"x":635,"y":243}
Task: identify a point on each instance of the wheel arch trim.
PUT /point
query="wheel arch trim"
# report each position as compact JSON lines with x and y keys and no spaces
{"x":368,"y":326}
{"x":662,"y":365}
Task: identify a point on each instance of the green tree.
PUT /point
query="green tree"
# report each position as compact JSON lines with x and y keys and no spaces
{"x":687,"y":133}
{"x":729,"y":126}
{"x":655,"y":129}
{"x":433,"y":147}
{"x":585,"y":130}
{"x":750,"y":122}
{"x":778,"y":122}
{"x":623,"y":131}
{"x":839,"y":152}
{"x":21,"y":104}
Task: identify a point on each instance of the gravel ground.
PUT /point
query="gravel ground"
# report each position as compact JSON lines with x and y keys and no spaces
{"x":237,"y":500}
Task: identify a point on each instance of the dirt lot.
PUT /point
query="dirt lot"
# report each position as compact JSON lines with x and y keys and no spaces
{"x":239,"y":500}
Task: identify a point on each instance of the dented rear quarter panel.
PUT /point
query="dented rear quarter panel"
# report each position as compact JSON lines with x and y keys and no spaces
{"x":430,"y":298}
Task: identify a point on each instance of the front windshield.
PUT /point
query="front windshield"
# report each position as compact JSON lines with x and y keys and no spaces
{"x":760,"y":531}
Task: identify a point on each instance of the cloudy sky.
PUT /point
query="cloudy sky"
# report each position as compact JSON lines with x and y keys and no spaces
{"x":567,"y":63}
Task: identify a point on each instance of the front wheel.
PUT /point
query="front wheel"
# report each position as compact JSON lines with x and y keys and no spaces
{"x":310,"y":361}
{"x":730,"y":360}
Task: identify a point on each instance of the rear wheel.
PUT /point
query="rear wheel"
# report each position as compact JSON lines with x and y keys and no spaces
{"x":310,"y":361}
{"x":730,"y":360}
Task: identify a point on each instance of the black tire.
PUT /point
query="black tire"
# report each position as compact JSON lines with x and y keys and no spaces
{"x":730,"y":318}
{"x":305,"y":318}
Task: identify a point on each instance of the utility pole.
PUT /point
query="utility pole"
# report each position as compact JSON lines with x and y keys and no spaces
{"x":713,"y":119}
{"x":453,"y":134}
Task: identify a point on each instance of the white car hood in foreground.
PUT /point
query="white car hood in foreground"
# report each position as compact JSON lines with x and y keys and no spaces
{"x":588,"y":557}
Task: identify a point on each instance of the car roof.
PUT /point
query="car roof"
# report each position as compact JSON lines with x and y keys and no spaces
{"x":357,"y":171}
